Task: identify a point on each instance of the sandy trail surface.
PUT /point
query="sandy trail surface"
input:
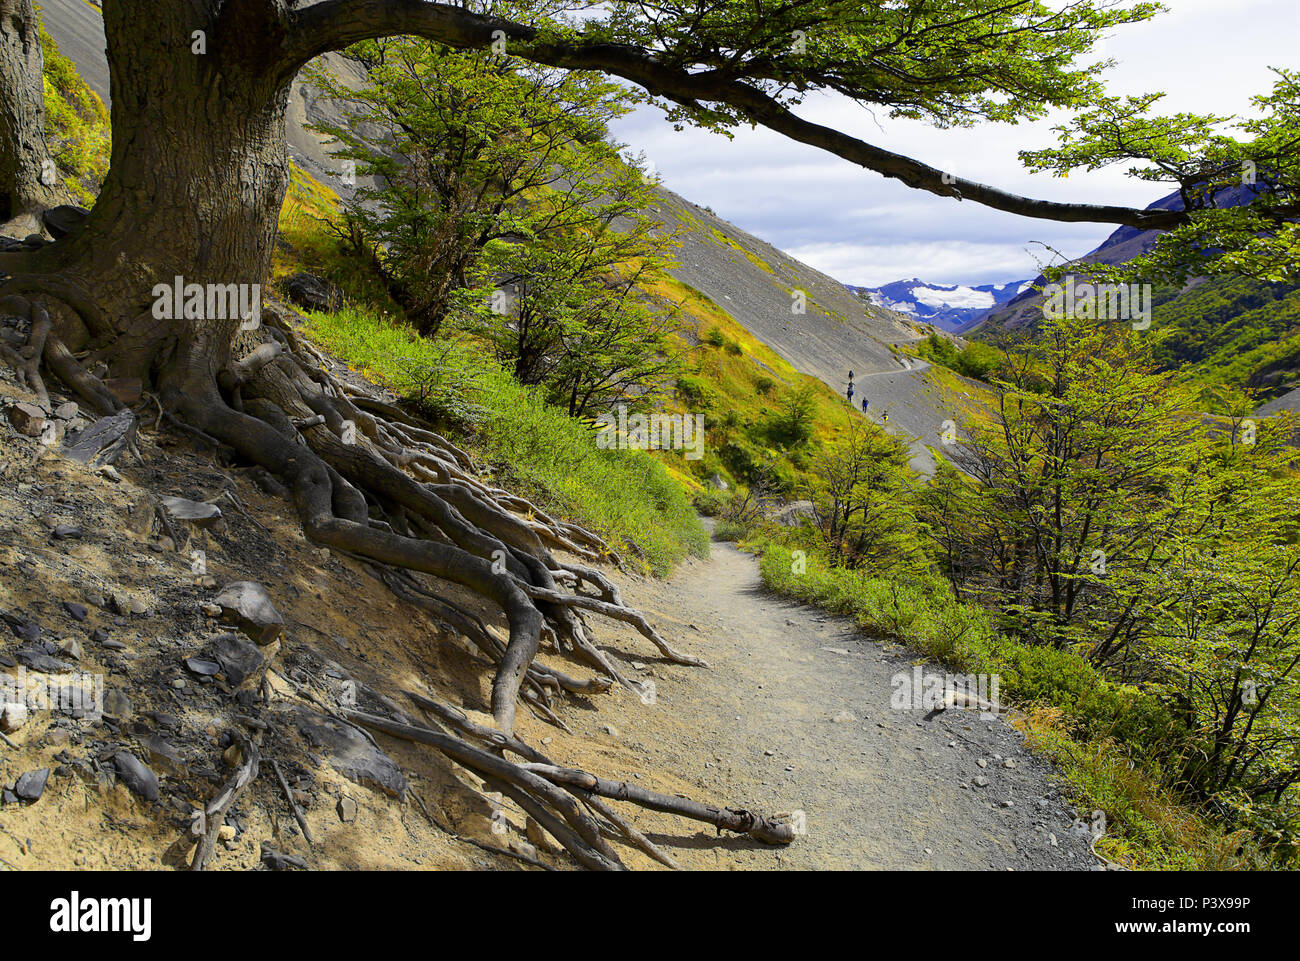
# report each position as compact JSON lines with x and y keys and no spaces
{"x":767,"y":725}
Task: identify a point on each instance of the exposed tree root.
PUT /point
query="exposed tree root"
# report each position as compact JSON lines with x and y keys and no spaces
{"x":520,"y":782}
{"x":368,"y":480}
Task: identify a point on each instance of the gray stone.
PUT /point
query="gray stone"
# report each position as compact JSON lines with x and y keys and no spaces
{"x":793,"y":514}
{"x":27,"y":419}
{"x":117,"y":706}
{"x":202,"y":666}
{"x":31,"y":785}
{"x":347,"y":808}
{"x":163,"y":755}
{"x":103,"y":441}
{"x":238,"y":657}
{"x":124,"y":604}
{"x":312,"y":293}
{"x":247,"y":605}
{"x":64,"y":219}
{"x":197,"y":513}
{"x":136,"y":775}
{"x":349,"y":752}
{"x":35,"y":659}
{"x":75,"y":611}
{"x":12,"y":716}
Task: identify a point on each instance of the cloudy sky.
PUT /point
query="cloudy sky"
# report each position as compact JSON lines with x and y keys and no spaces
{"x":1208,"y":56}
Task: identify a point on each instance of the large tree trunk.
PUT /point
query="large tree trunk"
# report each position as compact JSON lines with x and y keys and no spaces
{"x":199,"y":171}
{"x":28,"y":177}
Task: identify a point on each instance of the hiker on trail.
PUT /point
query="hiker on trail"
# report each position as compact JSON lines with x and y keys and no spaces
{"x":885,"y":415}
{"x":850,"y":377}
{"x":865,"y":402}
{"x":850,"y":392}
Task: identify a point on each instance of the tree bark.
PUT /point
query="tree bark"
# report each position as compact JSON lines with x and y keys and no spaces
{"x":28,"y":176}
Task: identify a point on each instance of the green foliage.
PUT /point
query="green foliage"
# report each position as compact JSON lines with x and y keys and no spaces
{"x":1210,"y":167}
{"x":976,"y":360}
{"x":1230,"y":331}
{"x":77,"y":125}
{"x":791,"y":425}
{"x":502,"y":209}
{"x":1111,"y":523}
{"x":860,"y":487}
{"x":626,"y":496}
{"x":948,"y":63}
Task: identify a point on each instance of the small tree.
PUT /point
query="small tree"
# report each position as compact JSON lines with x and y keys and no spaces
{"x":461,"y":144}
{"x":567,"y":310}
{"x":860,"y":494}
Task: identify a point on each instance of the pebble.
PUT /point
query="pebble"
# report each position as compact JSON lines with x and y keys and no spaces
{"x":982,"y":763}
{"x":980,"y":782}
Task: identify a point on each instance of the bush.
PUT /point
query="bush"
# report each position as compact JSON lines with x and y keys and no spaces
{"x":694,"y":392}
{"x":714,"y":337}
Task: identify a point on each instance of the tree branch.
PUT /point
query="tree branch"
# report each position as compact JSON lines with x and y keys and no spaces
{"x":335,"y":24}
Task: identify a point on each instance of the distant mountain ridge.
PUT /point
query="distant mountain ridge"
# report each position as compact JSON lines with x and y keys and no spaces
{"x":1123,"y":245}
{"x":946,"y":306}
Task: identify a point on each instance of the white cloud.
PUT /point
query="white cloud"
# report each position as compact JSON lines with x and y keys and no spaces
{"x":1210,"y":56}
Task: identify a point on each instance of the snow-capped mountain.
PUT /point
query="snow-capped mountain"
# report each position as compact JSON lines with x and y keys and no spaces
{"x":945,"y":306}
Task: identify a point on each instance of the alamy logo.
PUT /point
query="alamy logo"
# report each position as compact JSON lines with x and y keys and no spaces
{"x":179,"y":300}
{"x":1099,"y":302}
{"x":73,"y":915}
{"x":651,"y":432}
{"x":926,"y":691}
{"x":78,"y":695}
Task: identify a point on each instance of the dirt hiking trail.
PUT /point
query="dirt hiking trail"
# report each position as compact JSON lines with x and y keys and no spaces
{"x":767,"y":724}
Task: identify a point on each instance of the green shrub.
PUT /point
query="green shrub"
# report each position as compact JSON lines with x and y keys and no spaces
{"x":694,"y":392}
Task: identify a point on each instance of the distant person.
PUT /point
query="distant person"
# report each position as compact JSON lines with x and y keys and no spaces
{"x":885,"y":416}
{"x":865,"y":402}
{"x":850,"y":392}
{"x":850,"y":377}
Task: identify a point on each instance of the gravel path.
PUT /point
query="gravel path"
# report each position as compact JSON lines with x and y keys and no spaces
{"x":889,"y":789}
